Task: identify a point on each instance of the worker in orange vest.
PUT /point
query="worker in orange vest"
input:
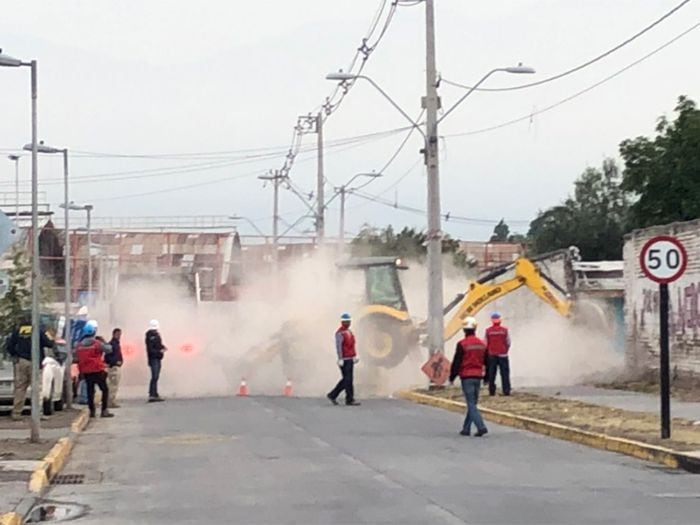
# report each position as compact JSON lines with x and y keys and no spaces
{"x":498,"y":345}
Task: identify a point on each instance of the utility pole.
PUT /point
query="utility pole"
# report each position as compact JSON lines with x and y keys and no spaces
{"x":341,"y":235}
{"x":15,"y":159}
{"x":431,"y":103}
{"x":276,"y":177}
{"x":320,"y":219}
{"x":88,"y":209}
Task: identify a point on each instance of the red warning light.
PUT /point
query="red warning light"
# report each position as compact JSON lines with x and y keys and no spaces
{"x":129,"y":349}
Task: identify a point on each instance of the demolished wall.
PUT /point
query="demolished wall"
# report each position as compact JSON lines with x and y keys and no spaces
{"x":642,"y":304}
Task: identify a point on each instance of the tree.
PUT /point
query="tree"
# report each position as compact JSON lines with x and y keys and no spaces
{"x":18,"y":298}
{"x":662,"y":174}
{"x":593,"y":218}
{"x":407,"y":244}
{"x":501,"y":232}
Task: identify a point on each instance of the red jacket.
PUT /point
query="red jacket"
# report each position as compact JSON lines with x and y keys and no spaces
{"x":497,"y":340}
{"x":90,"y":357}
{"x":345,"y":343}
{"x":470,"y":359}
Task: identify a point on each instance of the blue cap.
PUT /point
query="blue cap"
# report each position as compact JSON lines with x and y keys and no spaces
{"x":495,"y":315}
{"x":345,"y":318}
{"x":89,"y":330}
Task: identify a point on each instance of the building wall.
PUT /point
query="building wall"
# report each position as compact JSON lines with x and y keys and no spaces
{"x":642,"y":304}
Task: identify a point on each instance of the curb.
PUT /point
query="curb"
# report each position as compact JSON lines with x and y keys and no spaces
{"x":664,"y":456}
{"x":50,"y":466}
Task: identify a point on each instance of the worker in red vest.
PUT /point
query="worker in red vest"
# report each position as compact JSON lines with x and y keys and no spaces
{"x":90,"y":354}
{"x":498,"y":344}
{"x":469,"y":364}
{"x":347,"y":359}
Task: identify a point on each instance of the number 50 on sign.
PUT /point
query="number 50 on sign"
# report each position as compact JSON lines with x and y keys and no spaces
{"x":663,"y":259}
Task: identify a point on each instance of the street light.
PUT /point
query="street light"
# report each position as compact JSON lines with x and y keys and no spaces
{"x":43,"y":148}
{"x":15,"y":159}
{"x":7,"y":61}
{"x":434,"y":234}
{"x":342,"y":190}
{"x":86,"y":208}
{"x":252,"y":224}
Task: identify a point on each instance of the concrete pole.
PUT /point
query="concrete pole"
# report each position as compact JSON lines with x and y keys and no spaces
{"x":320,"y":212}
{"x":341,"y":233}
{"x":36,"y":268}
{"x":15,"y":159}
{"x":67,"y":385}
{"x":88,"y":208}
{"x":435,"y":299}
{"x":276,"y":220}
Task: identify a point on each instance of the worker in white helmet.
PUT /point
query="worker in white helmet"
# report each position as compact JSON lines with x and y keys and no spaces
{"x":469,"y":364}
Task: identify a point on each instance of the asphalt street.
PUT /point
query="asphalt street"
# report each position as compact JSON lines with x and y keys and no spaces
{"x":287,"y":460}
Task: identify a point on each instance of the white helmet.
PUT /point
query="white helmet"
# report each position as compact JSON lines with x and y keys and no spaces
{"x":469,"y":323}
{"x":154,"y":324}
{"x":92,"y":323}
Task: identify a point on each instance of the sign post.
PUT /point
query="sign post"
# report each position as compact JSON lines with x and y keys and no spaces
{"x":663,"y":259}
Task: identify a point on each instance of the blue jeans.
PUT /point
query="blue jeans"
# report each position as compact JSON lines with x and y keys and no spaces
{"x":470,"y":387}
{"x":154,"y":365}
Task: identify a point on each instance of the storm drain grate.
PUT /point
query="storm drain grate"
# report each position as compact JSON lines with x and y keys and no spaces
{"x":69,"y":479}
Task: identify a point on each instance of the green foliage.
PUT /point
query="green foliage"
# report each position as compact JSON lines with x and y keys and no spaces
{"x":662,"y":174}
{"x":18,"y":298}
{"x":593,"y":218}
{"x":407,"y":244}
{"x":501,"y":232}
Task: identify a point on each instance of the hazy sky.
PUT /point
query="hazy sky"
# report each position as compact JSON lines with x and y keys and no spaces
{"x":171,"y":77}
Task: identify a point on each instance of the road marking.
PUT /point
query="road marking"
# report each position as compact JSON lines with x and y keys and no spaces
{"x":675,"y":495}
{"x":192,"y":439}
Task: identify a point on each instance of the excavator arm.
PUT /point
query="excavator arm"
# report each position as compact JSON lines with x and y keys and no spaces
{"x":485,"y":291}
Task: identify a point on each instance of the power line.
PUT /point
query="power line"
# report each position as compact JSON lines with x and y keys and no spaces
{"x":581,"y":66}
{"x":578,"y":93}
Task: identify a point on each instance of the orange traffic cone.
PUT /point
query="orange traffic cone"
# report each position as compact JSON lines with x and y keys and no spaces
{"x":243,"y":389}
{"x":287,"y":392}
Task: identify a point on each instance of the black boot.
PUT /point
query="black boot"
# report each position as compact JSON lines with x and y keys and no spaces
{"x":106,"y":413}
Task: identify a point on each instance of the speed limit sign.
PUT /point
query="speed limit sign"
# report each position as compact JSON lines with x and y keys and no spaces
{"x":663,"y":259}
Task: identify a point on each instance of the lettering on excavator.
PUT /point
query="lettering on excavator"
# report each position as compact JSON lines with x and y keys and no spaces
{"x":482,"y":299}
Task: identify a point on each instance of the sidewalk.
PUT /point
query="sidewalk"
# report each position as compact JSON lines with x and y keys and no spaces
{"x":622,"y":399}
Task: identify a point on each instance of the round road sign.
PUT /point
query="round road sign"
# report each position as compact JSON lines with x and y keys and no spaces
{"x":663,"y":259}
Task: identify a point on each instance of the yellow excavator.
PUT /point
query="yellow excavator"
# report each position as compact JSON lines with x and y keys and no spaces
{"x":386,"y":331}
{"x":389,"y":333}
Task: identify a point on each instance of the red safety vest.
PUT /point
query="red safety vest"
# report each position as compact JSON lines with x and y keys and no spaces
{"x":348,"y":348}
{"x":474,"y":351}
{"x":497,"y":340}
{"x":90,"y":358}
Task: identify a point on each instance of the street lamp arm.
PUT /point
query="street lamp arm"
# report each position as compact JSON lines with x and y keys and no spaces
{"x":391,"y":101}
{"x":469,"y":92}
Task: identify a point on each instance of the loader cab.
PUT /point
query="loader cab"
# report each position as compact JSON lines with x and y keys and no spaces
{"x":382,"y":282}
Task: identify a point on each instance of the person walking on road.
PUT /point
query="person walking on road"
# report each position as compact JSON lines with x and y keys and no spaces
{"x":114,"y":361}
{"x":347,"y":359}
{"x":91,"y":363}
{"x":469,"y":363}
{"x":155,"y":350}
{"x":498,"y":345}
{"x":19,"y":348}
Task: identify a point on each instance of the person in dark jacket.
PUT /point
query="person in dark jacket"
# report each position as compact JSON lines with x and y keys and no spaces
{"x":19,"y":348}
{"x":91,"y":363}
{"x":114,"y":361}
{"x":469,"y":364}
{"x":155,"y":350}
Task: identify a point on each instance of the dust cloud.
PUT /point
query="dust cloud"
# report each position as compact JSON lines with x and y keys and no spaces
{"x":213,"y":345}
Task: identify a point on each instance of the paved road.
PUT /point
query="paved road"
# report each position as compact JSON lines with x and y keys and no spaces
{"x":635,"y":401}
{"x":277,"y":460}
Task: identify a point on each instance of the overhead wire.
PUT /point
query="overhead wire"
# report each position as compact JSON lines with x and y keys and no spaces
{"x":578,"y":93}
{"x":583,"y":65}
